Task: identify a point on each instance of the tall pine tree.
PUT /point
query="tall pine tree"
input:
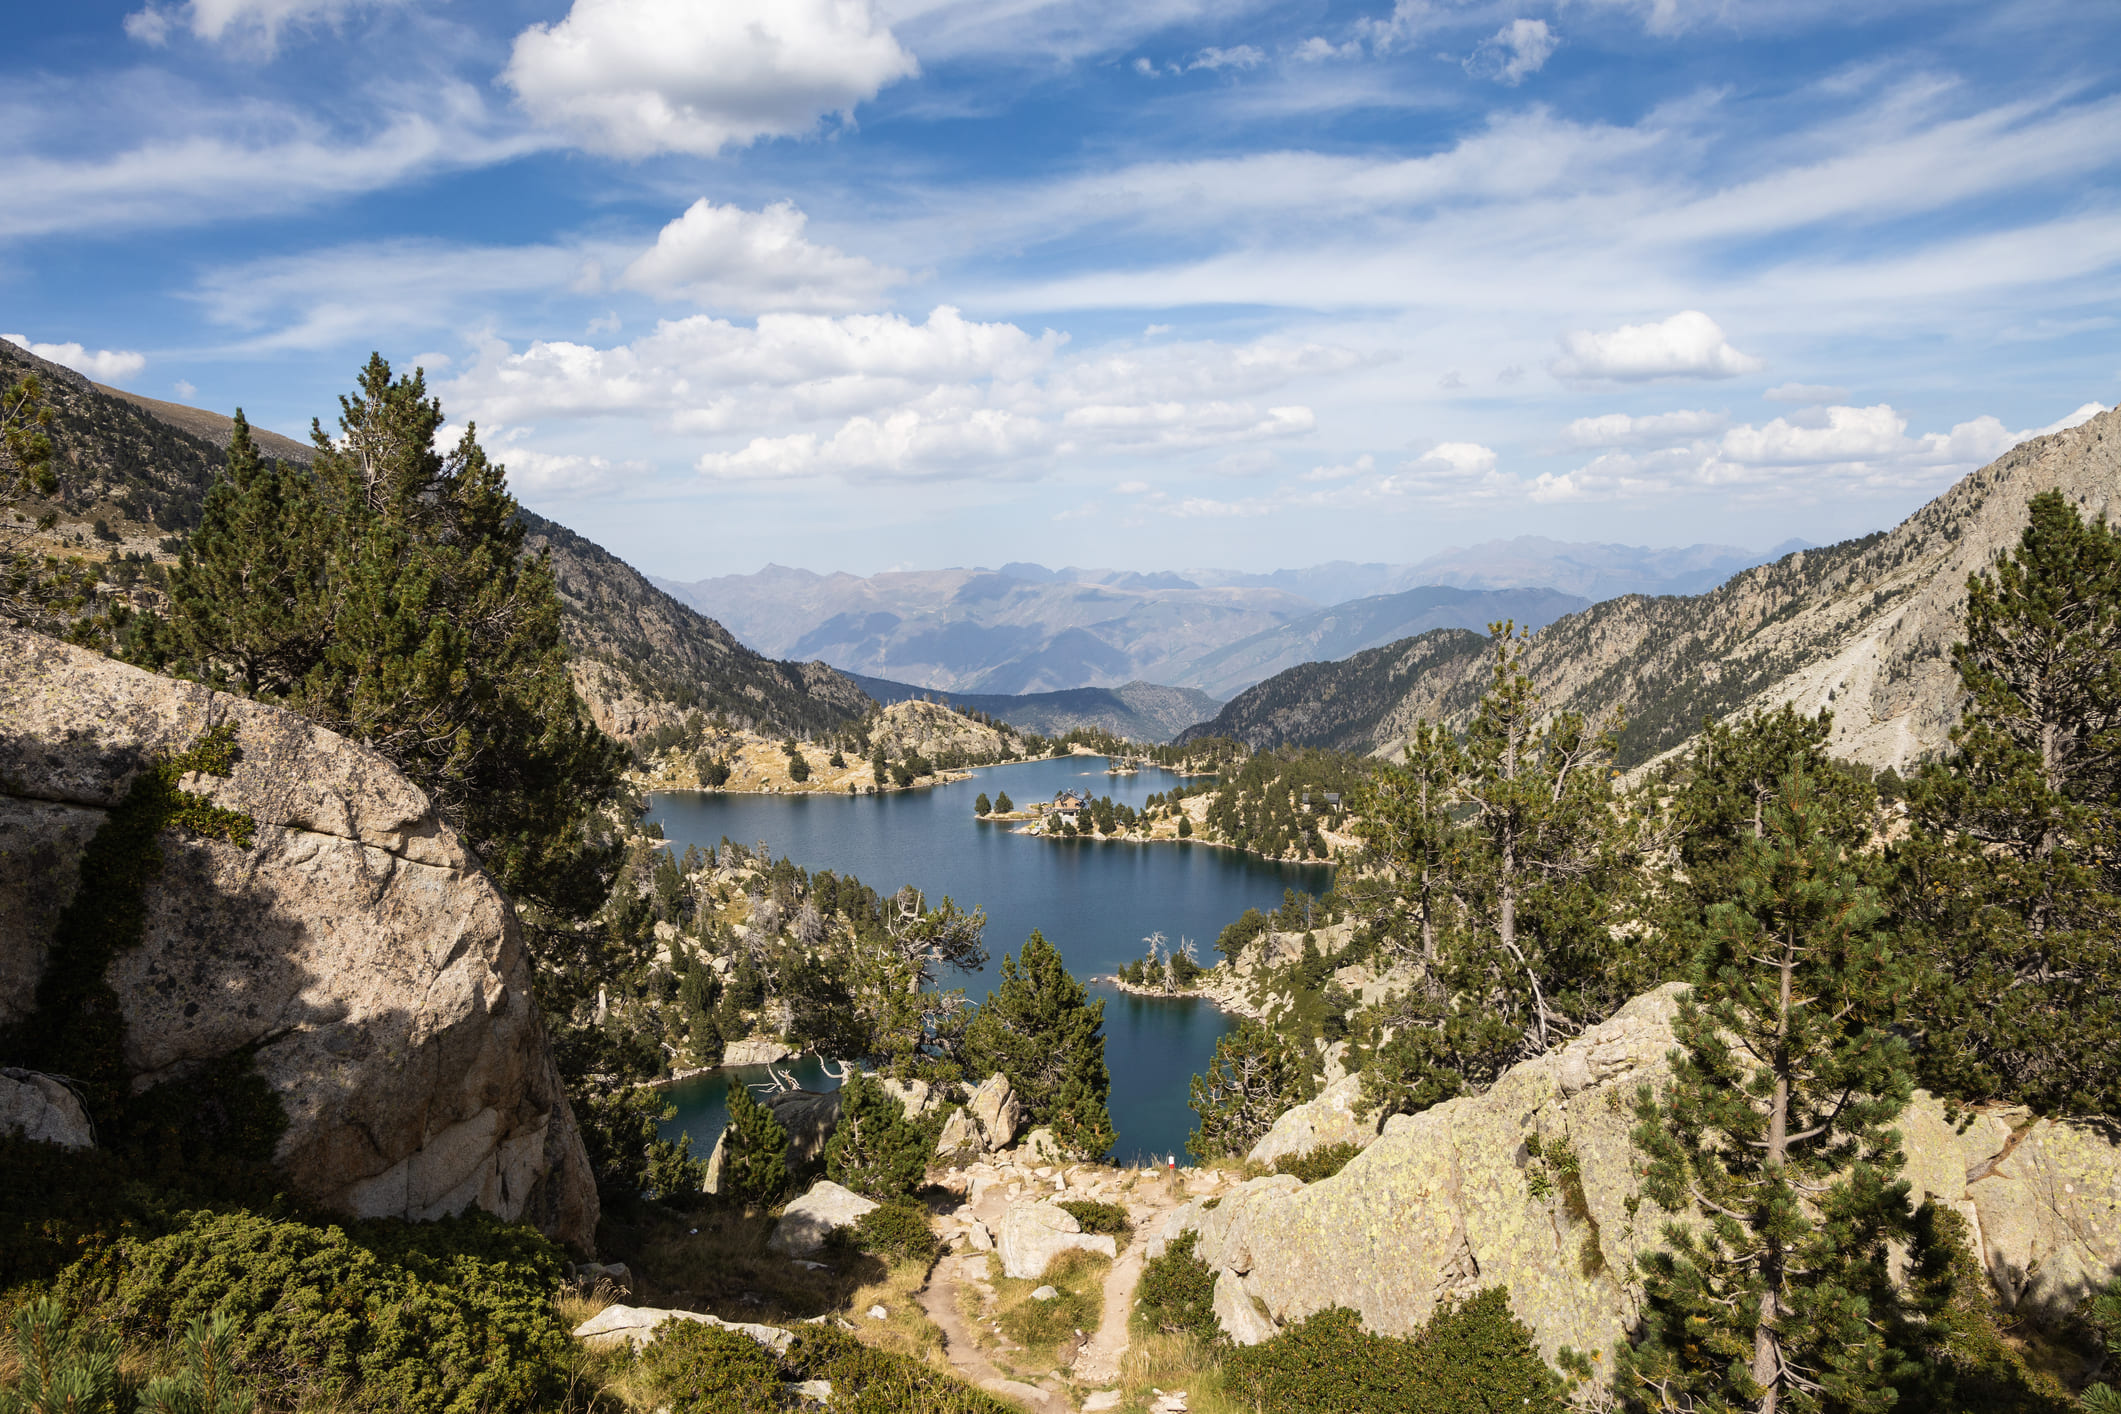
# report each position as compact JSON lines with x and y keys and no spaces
{"x":248,"y":603}
{"x":2012,"y":872}
{"x":1775,"y":1130}
{"x":1040,"y":1028}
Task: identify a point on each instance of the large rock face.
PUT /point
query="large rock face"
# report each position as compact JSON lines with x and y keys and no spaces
{"x":1033,"y":1234}
{"x":1440,"y":1203}
{"x":356,"y":947}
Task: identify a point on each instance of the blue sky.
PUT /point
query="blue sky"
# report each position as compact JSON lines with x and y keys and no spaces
{"x":861,"y":284}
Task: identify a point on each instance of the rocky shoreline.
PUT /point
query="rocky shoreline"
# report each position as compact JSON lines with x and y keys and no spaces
{"x":1218,"y":986}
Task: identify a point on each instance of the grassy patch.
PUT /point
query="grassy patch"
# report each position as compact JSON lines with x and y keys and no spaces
{"x":1319,"y":1163}
{"x":1157,"y":1361}
{"x":1047,"y":1329}
{"x":1096,"y":1217}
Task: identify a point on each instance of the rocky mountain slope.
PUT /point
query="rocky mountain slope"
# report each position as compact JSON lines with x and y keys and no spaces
{"x":643,"y":660}
{"x":352,"y":955}
{"x":2040,"y":1199}
{"x":1864,"y":628}
{"x":1137,"y":711}
{"x":1335,"y":633}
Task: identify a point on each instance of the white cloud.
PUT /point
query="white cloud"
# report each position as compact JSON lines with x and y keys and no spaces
{"x":184,"y":389}
{"x":1815,"y":454}
{"x":636,"y":77}
{"x":1363,"y":465}
{"x":1618,"y":429}
{"x":1519,"y":48}
{"x":269,"y":159}
{"x":880,"y":396}
{"x":103,"y":365}
{"x":725,"y":257}
{"x":1813,"y":393}
{"x":1243,"y":56}
{"x":1847,"y":435}
{"x":150,"y":26}
{"x":259,"y":20}
{"x":1318,"y":49}
{"x":1687,"y":345}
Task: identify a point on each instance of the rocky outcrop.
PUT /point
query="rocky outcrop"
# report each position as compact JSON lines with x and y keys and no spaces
{"x":38,"y":1107}
{"x":810,"y":1219}
{"x":997,"y":1111}
{"x":636,"y":1326}
{"x":1337,"y":1116}
{"x":1443,"y":1203}
{"x":756,"y":1050}
{"x":1033,"y":1234}
{"x":355,"y":950}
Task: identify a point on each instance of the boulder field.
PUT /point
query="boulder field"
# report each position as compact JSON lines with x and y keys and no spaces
{"x":356,"y":949}
{"x":1445,"y":1202}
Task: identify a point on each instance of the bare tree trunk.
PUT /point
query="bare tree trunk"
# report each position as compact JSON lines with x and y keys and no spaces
{"x":1767,"y":1340}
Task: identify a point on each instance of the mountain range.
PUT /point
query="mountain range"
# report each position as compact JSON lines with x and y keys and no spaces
{"x":1025,"y":628}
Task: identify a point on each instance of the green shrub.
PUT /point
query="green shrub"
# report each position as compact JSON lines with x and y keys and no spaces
{"x":1177,"y":1291}
{"x":1473,"y":1357}
{"x":1098,"y":1217}
{"x":895,"y":1231}
{"x":704,"y":1369}
{"x":430,"y":1318}
{"x":754,"y":1152}
{"x":875,"y":1150}
{"x":868,"y":1381}
{"x":1322,"y":1162}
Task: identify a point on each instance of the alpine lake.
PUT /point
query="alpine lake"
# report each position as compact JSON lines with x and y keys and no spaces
{"x":1096,"y":900}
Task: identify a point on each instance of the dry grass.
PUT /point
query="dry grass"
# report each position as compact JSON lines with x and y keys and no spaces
{"x":1173,"y":1362}
{"x":1046,"y":1334}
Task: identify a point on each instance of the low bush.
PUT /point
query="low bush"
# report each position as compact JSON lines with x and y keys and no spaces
{"x":432,"y":1318}
{"x":1473,"y":1357}
{"x":703,"y":1369}
{"x":1322,"y":1162}
{"x":1177,"y":1292}
{"x":1098,"y":1217}
{"x":897,"y":1232}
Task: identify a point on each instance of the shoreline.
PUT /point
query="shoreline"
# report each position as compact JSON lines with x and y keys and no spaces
{"x":1224,"y":994}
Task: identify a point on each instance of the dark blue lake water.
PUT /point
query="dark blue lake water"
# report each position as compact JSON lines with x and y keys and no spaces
{"x":1095,"y":900}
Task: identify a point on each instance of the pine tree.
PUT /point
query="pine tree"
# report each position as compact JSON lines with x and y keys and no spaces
{"x":1734,"y":775}
{"x":248,"y":601}
{"x":1040,"y":1028}
{"x":445,"y":652}
{"x":874,"y":1149}
{"x":1003,"y":803}
{"x":754,"y":1152}
{"x":26,"y":474}
{"x":1254,"y":1077}
{"x":983,"y":806}
{"x":1775,"y":1129}
{"x":1544,"y":885}
{"x":2011,"y":875}
{"x":1409,"y":835}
